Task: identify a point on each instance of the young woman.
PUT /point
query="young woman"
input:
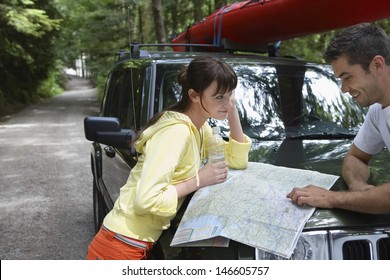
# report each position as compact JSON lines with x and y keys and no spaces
{"x":172,"y":147}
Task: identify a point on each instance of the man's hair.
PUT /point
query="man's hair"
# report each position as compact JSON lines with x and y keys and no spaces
{"x":359,"y":44}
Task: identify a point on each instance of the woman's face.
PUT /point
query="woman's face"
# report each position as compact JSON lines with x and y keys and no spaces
{"x":216,"y":104}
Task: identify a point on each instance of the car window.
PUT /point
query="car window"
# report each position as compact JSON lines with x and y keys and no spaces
{"x":323,"y":98}
{"x":170,"y":90}
{"x":129,"y":107}
{"x":293,"y":100}
{"x":115,"y":86}
{"x":167,"y":88}
{"x":279,"y":101}
{"x":258,"y":101}
{"x":313,"y":103}
{"x":125,"y":96}
{"x":257,"y":97}
{"x":148,"y":86}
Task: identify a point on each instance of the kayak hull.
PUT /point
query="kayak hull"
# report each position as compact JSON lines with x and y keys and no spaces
{"x":252,"y":25}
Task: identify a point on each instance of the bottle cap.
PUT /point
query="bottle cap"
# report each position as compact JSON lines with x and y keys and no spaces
{"x":216,"y":130}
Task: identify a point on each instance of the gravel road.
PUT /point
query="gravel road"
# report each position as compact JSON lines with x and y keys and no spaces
{"x":45,"y":179}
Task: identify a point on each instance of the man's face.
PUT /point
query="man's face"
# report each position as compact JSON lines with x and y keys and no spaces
{"x":362,"y":85}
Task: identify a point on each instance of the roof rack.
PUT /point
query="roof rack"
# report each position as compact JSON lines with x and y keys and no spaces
{"x":137,"y":52}
{"x":135,"y":48}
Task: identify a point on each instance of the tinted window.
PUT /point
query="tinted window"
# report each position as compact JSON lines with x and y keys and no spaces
{"x":281,"y":101}
{"x":293,"y":101}
{"x":258,"y":101}
{"x":113,"y":97}
{"x":167,"y":88}
{"x":323,"y":98}
{"x":148,"y":82}
{"x":124,"y":98}
{"x":130,"y":104}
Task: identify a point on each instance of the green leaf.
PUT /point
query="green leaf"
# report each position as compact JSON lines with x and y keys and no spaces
{"x":32,"y":22}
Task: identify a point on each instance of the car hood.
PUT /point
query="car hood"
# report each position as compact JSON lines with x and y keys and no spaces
{"x":324,"y":156}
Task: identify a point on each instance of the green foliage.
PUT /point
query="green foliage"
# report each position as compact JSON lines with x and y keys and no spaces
{"x":96,"y":29}
{"x":27,"y":43}
{"x":100,"y":28}
{"x":310,"y":48}
{"x":53,"y":84}
{"x":32,"y":22}
{"x":38,"y":37}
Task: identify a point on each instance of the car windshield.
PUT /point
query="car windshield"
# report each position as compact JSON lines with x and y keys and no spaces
{"x":284,"y":101}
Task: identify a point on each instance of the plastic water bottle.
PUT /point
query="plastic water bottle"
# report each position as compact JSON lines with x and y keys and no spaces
{"x":216,"y":146}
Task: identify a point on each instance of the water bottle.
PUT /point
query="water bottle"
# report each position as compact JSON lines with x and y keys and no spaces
{"x":216,"y":146}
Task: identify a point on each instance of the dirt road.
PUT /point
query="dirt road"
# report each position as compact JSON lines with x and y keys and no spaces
{"x":45,"y":179}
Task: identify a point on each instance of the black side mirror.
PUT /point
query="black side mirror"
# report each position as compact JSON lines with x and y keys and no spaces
{"x":107,"y":130}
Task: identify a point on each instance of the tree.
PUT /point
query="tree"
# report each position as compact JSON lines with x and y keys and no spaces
{"x":37,"y":36}
{"x":159,"y":21}
{"x":96,"y":30}
{"x":198,"y":15}
{"x":27,"y":39}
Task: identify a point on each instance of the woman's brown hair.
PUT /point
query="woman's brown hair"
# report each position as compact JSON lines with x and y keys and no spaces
{"x":198,"y":75}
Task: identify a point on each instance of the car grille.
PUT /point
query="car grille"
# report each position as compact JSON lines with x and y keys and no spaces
{"x":356,"y":250}
{"x":350,"y":245}
{"x":384,"y":248}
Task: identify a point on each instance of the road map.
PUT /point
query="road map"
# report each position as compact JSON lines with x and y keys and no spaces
{"x":250,"y":207}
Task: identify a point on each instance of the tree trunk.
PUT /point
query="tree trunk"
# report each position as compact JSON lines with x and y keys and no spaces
{"x":140,"y":25}
{"x":198,"y":10}
{"x":158,"y":21}
{"x":174,"y":14}
{"x":220,"y":3}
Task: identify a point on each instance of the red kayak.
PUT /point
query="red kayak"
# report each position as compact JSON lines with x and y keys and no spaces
{"x":251,"y":25}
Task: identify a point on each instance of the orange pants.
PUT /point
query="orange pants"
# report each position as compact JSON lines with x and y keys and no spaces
{"x":108,"y":245}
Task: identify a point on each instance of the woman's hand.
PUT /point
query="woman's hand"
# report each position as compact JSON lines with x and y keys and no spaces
{"x":209,"y":174}
{"x":232,"y":103}
{"x":213,"y":173}
{"x":234,"y":121}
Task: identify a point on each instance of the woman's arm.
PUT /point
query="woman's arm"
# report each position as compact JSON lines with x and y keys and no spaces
{"x":209,"y":174}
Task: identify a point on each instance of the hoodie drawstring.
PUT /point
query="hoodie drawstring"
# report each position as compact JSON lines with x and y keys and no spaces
{"x":197,"y":159}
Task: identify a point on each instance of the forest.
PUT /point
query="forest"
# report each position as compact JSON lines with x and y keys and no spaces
{"x":40,"y":38}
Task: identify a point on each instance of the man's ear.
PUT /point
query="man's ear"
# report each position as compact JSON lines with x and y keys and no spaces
{"x":378,"y":62}
{"x":193,"y":95}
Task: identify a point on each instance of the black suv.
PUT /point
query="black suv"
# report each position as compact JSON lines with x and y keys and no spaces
{"x":296,"y":116}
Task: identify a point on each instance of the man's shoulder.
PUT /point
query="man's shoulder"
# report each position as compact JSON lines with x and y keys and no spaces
{"x":374,"y":108}
{"x":374,"y":112}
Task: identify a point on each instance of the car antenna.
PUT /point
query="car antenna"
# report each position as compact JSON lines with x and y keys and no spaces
{"x":129,"y":28}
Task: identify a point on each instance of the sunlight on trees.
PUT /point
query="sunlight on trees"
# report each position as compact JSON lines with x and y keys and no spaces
{"x":39,"y":39}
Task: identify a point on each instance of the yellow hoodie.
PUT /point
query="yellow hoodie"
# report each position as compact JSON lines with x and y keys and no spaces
{"x":171,"y":151}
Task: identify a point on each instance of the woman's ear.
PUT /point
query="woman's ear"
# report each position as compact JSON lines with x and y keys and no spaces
{"x":193,"y":95}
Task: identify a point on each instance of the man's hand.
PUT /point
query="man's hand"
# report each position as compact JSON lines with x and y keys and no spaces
{"x":313,"y":196}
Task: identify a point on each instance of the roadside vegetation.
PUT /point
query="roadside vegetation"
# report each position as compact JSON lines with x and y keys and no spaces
{"x":41,"y":38}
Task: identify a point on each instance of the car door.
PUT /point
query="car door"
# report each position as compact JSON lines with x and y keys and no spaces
{"x":123,"y":102}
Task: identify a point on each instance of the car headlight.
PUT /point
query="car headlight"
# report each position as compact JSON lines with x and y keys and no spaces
{"x":310,"y":246}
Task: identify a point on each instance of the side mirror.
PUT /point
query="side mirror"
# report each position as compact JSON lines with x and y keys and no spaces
{"x":107,"y":130}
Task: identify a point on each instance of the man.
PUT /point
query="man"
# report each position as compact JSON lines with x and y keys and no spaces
{"x":360,"y":57}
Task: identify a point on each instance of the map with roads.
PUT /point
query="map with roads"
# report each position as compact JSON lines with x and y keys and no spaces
{"x":250,"y":207}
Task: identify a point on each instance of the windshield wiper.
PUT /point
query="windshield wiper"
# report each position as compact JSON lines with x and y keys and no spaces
{"x":323,"y":135}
